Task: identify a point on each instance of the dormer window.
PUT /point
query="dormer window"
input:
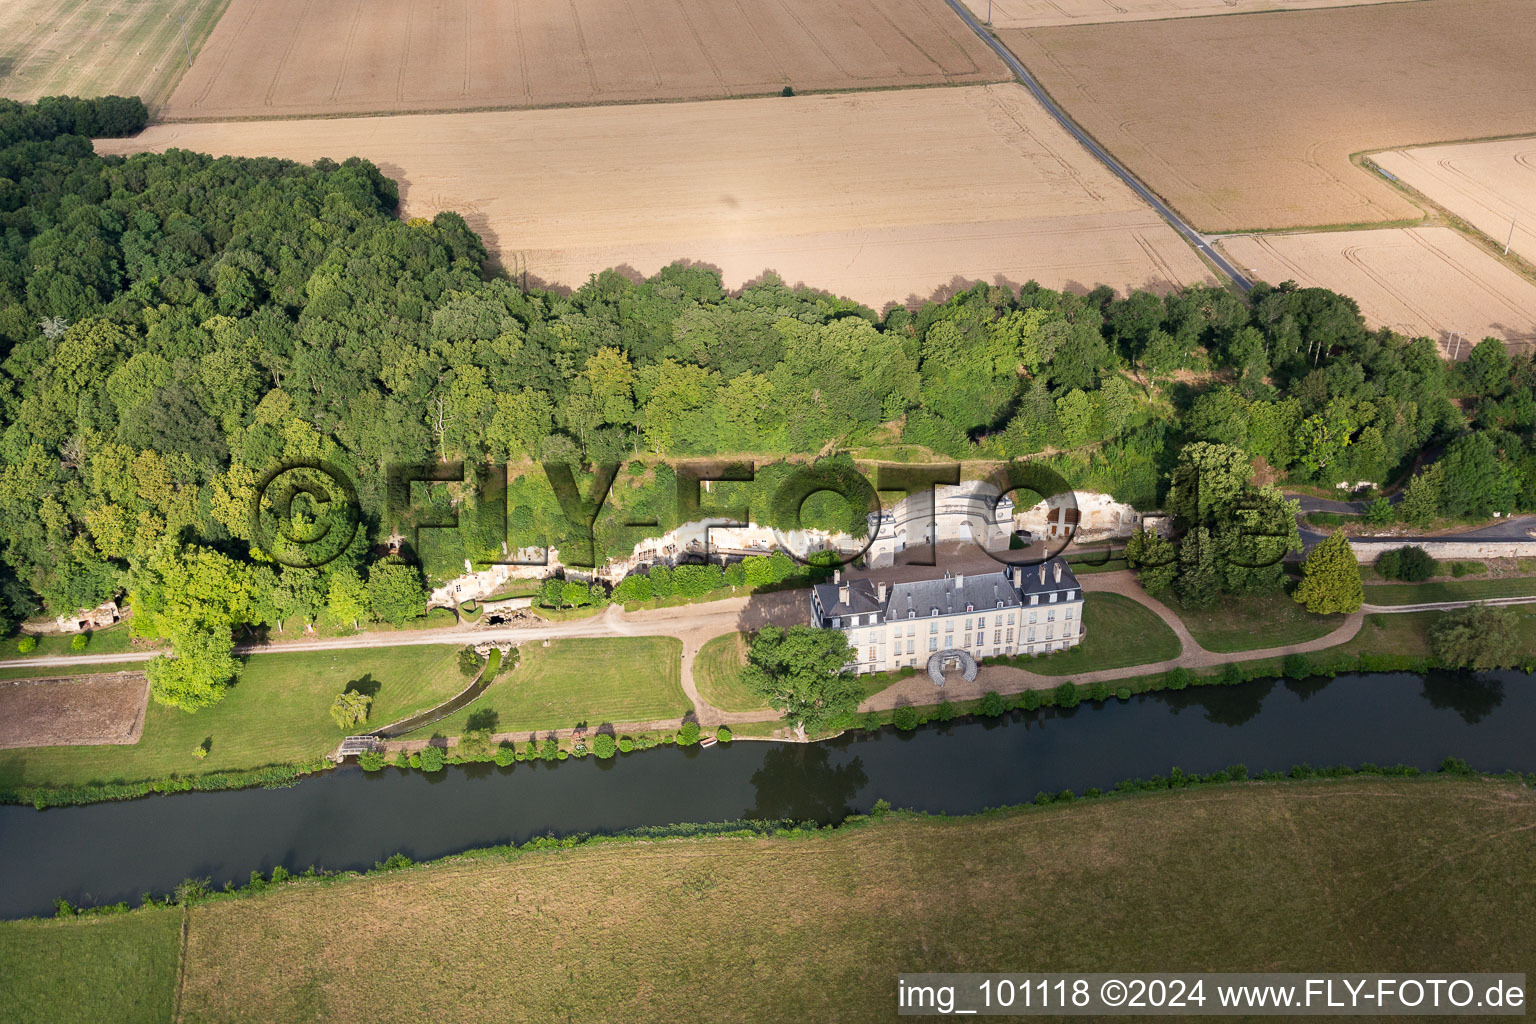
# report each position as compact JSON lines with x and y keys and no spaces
{"x":934,"y":612}
{"x":970,"y":607}
{"x":999,"y":604}
{"x":911,"y":613}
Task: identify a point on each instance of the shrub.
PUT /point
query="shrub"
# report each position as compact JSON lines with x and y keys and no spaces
{"x":370,"y":761}
{"x":200,"y":751}
{"x":1029,"y":700}
{"x":1124,"y":693}
{"x":788,"y":90}
{"x":1099,"y":692}
{"x":27,"y":644}
{"x":688,"y":735}
{"x":1067,"y":695}
{"x":1179,"y":678}
{"x":946,"y":711}
{"x":626,"y":744}
{"x":723,"y":734}
{"x":1231,"y":675}
{"x":403,"y":760}
{"x":550,"y":751}
{"x":604,"y":746}
{"x":905,"y":718}
{"x":1379,"y":512}
{"x":415,"y":761}
{"x":1410,"y":563}
{"x":79,"y":642}
{"x":432,"y":759}
{"x":505,"y":754}
{"x":1296,"y":666}
{"x":992,"y":704}
{"x":469,"y":662}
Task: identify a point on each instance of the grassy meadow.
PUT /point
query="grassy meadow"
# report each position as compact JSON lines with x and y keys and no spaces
{"x":1355,"y":874}
{"x":620,"y":679}
{"x":277,"y":712}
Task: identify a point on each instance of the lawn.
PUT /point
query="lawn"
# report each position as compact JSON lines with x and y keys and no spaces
{"x":113,"y":640}
{"x":717,"y":674}
{"x":1253,"y":622}
{"x":623,"y":679}
{"x":1449,"y":590}
{"x":119,"y":968}
{"x":1360,"y":874}
{"x":1120,"y":632}
{"x":276,"y":713}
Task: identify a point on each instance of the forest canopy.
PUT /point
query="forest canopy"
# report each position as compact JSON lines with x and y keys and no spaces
{"x":173,"y":325}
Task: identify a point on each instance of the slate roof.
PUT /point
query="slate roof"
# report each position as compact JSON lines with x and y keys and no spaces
{"x":950,"y":596}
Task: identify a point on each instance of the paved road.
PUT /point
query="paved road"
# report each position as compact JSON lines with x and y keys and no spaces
{"x":1199,"y":241}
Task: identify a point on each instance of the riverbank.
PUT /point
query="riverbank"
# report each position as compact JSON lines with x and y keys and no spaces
{"x":1356,"y":873}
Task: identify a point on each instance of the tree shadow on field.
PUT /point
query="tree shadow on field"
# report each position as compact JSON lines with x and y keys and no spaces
{"x":365,"y":685}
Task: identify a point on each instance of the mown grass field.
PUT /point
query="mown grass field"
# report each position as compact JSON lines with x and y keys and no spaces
{"x":276,"y":713}
{"x":120,"y":968}
{"x":106,"y":47}
{"x":1449,"y":590}
{"x":1253,"y":622}
{"x":1120,"y":632}
{"x":717,"y":674}
{"x":1361,"y":874}
{"x":623,"y":679}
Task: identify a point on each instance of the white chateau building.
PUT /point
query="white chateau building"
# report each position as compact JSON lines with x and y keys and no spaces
{"x":953,"y":618}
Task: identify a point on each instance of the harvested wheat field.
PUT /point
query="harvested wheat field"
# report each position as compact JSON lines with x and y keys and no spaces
{"x":821,"y":189}
{"x":99,"y":47}
{"x":1490,"y":185}
{"x":1249,"y":122}
{"x":277,"y":58}
{"x":1041,"y":13}
{"x":1430,"y":281}
{"x":87,"y":710}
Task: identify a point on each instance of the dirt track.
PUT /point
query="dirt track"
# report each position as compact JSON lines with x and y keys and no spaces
{"x":280,"y":58}
{"x":1419,"y":281}
{"x":1043,"y":13}
{"x":1490,"y":185}
{"x":829,"y":190}
{"x":1249,"y":122}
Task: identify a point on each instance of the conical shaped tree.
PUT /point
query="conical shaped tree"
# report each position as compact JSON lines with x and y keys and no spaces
{"x":1330,"y":578}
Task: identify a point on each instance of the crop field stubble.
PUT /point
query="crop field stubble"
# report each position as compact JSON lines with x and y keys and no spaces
{"x":1249,"y":122}
{"x":827,"y":190}
{"x":1042,"y":13}
{"x":280,"y":58}
{"x":1430,"y":281}
{"x":99,"y":47}
{"x":88,"y":710}
{"x":1490,"y":185}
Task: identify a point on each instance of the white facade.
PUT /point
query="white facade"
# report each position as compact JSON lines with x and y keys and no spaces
{"x":1023,"y":610}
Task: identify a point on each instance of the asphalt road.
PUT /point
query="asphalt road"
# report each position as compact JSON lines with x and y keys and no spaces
{"x":1195,"y":238}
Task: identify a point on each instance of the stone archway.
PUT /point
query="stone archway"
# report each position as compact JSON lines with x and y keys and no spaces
{"x":951,"y":657}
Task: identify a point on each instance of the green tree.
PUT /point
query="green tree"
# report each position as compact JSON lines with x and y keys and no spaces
{"x":350,"y":709}
{"x":802,"y":672}
{"x":469,"y":662}
{"x":432,"y":759}
{"x":395,"y":591}
{"x":1199,"y":582}
{"x":1154,"y":559}
{"x":1479,"y":637}
{"x":346,"y":600}
{"x":1421,"y":499}
{"x":1207,"y":480}
{"x":1330,"y":578}
{"x":604,"y":745}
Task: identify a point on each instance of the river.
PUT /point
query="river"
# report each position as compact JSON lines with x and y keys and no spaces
{"x":344,"y":819}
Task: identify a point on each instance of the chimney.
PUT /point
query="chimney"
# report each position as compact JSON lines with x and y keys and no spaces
{"x":1042,"y":573}
{"x":837,"y":575}
{"x":880,"y":592}
{"x":959,"y":580}
{"x":1058,"y":572}
{"x":842,"y":594}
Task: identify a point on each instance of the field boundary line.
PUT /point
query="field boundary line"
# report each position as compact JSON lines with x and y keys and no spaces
{"x":1097,"y":149}
{"x":181,"y":963}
